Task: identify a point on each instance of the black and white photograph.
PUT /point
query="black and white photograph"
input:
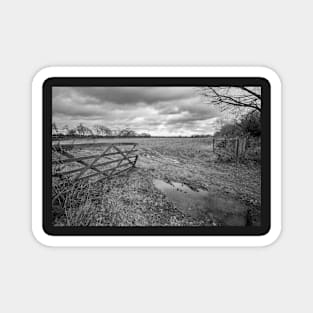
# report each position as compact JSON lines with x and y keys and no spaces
{"x":156,"y":156}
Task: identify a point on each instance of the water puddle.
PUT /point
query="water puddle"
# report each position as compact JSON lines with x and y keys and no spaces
{"x":199,"y":203}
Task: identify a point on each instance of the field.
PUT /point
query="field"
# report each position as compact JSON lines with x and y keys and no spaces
{"x":176,"y":181}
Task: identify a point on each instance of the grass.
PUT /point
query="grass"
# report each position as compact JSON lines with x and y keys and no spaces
{"x":132,"y":199}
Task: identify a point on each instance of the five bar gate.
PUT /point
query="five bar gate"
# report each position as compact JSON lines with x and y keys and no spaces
{"x":111,"y":159}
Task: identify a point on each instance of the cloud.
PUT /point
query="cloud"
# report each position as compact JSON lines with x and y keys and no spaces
{"x":134,"y":95}
{"x":157,"y":110}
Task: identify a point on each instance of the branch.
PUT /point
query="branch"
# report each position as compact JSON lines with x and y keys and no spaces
{"x":234,"y":101}
{"x":253,"y":93}
{"x":242,"y":105}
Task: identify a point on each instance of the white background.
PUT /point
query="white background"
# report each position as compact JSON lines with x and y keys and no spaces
{"x":35,"y":34}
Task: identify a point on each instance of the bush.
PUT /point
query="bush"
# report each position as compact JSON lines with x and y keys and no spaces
{"x":248,"y":125}
{"x":251,"y":124}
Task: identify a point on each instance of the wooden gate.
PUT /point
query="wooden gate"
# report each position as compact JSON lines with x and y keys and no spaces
{"x":111,"y":159}
{"x":234,"y":148}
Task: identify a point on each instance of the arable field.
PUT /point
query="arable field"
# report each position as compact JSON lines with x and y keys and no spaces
{"x":176,"y":182}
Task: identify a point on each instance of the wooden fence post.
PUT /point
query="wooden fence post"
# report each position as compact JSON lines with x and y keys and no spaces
{"x":237,"y":149}
{"x":244,"y":145}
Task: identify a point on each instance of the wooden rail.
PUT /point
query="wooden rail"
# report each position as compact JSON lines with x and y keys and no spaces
{"x":65,"y":163}
{"x":231,"y":147}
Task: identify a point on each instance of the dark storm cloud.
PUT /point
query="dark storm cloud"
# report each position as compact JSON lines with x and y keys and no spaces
{"x":134,"y":95}
{"x":158,"y":110}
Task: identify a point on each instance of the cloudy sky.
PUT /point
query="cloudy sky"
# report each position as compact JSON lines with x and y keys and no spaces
{"x":159,"y":111}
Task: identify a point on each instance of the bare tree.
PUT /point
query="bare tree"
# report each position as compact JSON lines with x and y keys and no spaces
{"x":108,"y":131}
{"x":234,"y":100}
{"x":66,"y":129}
{"x":80,"y":129}
{"x":54,"y":128}
{"x":97,"y":129}
{"x":127,"y":132}
{"x":103,"y":130}
{"x":83,"y":130}
{"x":88,"y":132}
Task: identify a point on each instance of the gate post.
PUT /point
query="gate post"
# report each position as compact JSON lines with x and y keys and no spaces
{"x":237,"y":149}
{"x":135,"y":161}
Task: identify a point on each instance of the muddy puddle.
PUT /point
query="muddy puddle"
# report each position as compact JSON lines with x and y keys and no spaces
{"x":198,"y":203}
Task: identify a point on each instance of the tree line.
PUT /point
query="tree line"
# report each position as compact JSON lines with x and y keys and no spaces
{"x":98,"y":130}
{"x":248,"y":125}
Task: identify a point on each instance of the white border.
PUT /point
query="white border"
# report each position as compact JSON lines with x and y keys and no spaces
{"x":156,"y":241}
